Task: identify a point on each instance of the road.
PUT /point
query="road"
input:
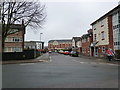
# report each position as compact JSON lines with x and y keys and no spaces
{"x":61,"y":71}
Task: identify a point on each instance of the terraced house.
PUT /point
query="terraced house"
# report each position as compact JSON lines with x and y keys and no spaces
{"x":106,"y":32}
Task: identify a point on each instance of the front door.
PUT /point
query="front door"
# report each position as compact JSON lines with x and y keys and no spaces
{"x":96,"y":51}
{"x":92,"y":51}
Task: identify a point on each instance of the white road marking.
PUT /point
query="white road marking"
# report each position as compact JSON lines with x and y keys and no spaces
{"x":82,"y":62}
{"x":50,"y":60}
{"x":95,"y":63}
{"x":27,"y":64}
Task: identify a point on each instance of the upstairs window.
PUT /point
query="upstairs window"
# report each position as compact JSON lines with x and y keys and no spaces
{"x":102,"y":24}
{"x":95,"y":37}
{"x":17,"y":39}
{"x":103,"y":35}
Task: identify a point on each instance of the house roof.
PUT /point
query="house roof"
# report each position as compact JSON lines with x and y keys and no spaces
{"x":117,"y":8}
{"x":76,"y":38}
{"x":33,"y":42}
{"x":86,"y":35}
{"x":65,"y":40}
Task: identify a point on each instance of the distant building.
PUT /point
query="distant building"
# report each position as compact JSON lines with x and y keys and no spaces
{"x":15,"y":41}
{"x":33,"y":45}
{"x":76,"y":44}
{"x":59,"y":44}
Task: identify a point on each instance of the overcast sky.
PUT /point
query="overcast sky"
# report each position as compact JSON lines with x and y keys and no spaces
{"x":69,"y":19}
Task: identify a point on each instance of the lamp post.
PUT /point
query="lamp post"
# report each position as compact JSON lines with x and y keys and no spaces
{"x":40,"y":36}
{"x":40,"y":43}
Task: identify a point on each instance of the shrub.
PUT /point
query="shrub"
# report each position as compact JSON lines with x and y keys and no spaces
{"x":117,"y":54}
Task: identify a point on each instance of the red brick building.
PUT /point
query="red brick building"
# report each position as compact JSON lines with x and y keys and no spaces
{"x":15,"y":41}
{"x":103,"y":33}
{"x":59,"y":44}
{"x":87,"y":39}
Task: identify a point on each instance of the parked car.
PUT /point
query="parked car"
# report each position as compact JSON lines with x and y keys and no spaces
{"x":74,"y":53}
{"x":50,"y":51}
{"x":61,"y":51}
{"x":66,"y":53}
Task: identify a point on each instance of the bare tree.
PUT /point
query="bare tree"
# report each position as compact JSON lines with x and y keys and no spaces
{"x":33,"y":14}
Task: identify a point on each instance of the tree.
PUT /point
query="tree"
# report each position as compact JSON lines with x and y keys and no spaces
{"x":33,"y":14}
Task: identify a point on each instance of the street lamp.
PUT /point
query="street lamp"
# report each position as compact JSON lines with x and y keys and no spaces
{"x":40,"y":36}
{"x":40,"y":41}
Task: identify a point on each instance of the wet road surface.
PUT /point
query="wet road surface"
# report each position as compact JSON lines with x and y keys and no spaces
{"x":62,"y":71}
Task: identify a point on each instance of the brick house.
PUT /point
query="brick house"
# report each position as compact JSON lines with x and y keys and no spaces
{"x":76,"y":44}
{"x":15,"y":42}
{"x":103,"y":34}
{"x":59,"y":44}
{"x":87,"y":39}
{"x":116,"y":27}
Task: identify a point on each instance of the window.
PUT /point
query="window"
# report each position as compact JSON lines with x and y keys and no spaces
{"x":8,"y":39}
{"x":102,"y":24}
{"x":118,"y":43}
{"x":17,"y":39}
{"x":95,"y":37}
{"x":103,"y":49}
{"x":103,"y":35}
{"x":94,"y":27}
{"x":114,"y":43}
{"x":16,"y":49}
{"x":96,"y":51}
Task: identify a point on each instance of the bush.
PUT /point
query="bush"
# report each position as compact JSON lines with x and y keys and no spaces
{"x":117,"y":54}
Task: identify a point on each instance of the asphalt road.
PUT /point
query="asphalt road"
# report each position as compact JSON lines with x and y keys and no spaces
{"x":61,"y":71}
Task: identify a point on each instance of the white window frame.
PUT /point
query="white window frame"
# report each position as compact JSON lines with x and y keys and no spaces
{"x":102,"y":35}
{"x":14,"y":39}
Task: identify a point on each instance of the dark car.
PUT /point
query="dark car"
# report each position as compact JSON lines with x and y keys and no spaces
{"x":74,"y":53}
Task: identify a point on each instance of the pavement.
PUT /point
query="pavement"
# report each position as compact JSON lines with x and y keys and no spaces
{"x":45,"y":57}
{"x":42,"y":58}
{"x":101,"y":59}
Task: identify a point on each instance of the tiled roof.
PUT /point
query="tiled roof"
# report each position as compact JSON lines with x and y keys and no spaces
{"x":33,"y":42}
